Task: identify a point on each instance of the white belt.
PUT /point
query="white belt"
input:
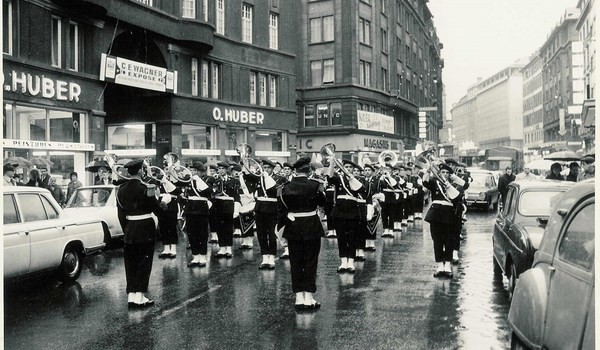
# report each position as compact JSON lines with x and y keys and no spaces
{"x":350,"y":198}
{"x":441,"y":202}
{"x":388,"y":190}
{"x":197,"y":198}
{"x":224,"y":198}
{"x":361,"y":201}
{"x":266,"y":199}
{"x":140,"y":217}
{"x":330,"y":190}
{"x":293,"y":216}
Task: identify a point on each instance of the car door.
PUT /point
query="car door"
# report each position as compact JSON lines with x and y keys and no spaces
{"x":46,"y":234}
{"x":16,"y":240}
{"x":571,"y":280}
{"x":501,"y":229}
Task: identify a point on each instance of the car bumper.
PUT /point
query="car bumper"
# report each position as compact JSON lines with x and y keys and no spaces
{"x":472,"y":202}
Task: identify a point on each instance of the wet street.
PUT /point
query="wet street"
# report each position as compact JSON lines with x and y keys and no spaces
{"x":392,"y":302}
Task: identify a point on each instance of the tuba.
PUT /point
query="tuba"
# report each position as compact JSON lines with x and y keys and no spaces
{"x":176,"y":171}
{"x":427,"y":162}
{"x":328,"y":151}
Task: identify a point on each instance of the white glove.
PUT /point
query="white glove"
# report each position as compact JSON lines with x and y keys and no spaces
{"x":165,"y":198}
{"x":236,"y":211}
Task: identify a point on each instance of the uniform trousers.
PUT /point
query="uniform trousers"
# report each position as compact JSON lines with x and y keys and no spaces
{"x":138,"y":265}
{"x":399,"y":210}
{"x":224,"y":228}
{"x":304,"y":256}
{"x":387,"y":215}
{"x":167,"y":222}
{"x":361,"y":237}
{"x":442,"y":235}
{"x":408,"y":210}
{"x":456,"y":236}
{"x":328,"y":209}
{"x":347,"y":230}
{"x":197,"y":229}
{"x":265,"y":232}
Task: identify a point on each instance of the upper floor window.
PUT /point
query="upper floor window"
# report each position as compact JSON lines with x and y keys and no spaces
{"x":7,"y":28}
{"x":364,"y":31}
{"x":73,"y":47}
{"x":272,"y":91}
{"x":205,"y":10}
{"x":262,"y":84}
{"x":221,"y":17}
{"x":321,"y":29}
{"x":66,"y":44}
{"x":194,"y":74}
{"x":146,"y":2}
{"x":205,"y":76}
{"x":384,"y":40}
{"x":56,"y":38}
{"x":247,"y":23}
{"x":322,"y":72}
{"x":273,"y":31}
{"x":216,"y":80}
{"x":364,"y":77}
{"x":188,"y":8}
{"x":252,"y":88}
{"x":383,"y":6}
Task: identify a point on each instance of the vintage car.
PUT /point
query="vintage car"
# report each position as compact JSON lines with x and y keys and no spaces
{"x":553,"y":303}
{"x":519,"y":226}
{"x":483,"y":190}
{"x":40,"y":238}
{"x":97,"y":201}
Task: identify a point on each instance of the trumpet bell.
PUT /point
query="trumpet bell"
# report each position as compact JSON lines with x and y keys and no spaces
{"x":252,"y":166}
{"x":181,"y":173}
{"x":387,"y":158}
{"x":327,"y":150}
{"x":118,"y":169}
{"x":244,"y":150}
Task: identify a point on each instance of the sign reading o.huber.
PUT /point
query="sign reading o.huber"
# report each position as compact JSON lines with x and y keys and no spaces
{"x":238,"y":116}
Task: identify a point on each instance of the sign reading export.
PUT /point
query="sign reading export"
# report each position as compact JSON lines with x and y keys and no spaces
{"x":375,"y":122}
{"x":131,"y":73}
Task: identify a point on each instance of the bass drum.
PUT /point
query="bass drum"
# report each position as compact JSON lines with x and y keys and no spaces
{"x":247,"y":204}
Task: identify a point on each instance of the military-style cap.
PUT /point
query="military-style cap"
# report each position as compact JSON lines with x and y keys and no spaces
{"x":277,"y":163}
{"x":8,"y":167}
{"x":446,"y":167}
{"x":288,"y":165}
{"x":223,"y":164}
{"x":451,"y":161}
{"x":198,"y":166}
{"x":268,"y":162}
{"x":212,"y":166}
{"x":589,"y":159}
{"x":236,"y":167}
{"x":134,"y":166}
{"x":574,"y":165}
{"x":354,"y":165}
{"x":300,"y":165}
{"x":370,"y":166}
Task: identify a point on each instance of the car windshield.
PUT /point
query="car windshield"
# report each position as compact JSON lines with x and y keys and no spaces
{"x":89,"y":197}
{"x":481,"y":179}
{"x":536,"y":203}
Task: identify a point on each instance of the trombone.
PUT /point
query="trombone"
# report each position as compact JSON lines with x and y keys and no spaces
{"x":328,"y":151}
{"x":428,"y":162}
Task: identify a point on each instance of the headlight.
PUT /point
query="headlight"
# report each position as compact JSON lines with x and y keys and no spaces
{"x":481,"y":195}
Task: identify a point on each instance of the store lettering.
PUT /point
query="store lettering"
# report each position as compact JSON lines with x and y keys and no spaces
{"x":48,"y":88}
{"x":379,"y":144}
{"x":238,"y":116}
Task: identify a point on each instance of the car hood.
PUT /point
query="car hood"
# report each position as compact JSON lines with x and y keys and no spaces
{"x":536,"y":233}
{"x":82,"y":212}
{"x":474,"y":188}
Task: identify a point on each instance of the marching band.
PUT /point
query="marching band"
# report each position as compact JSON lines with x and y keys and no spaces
{"x":282,"y":207}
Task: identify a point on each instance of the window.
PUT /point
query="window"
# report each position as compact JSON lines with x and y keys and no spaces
{"x":145,"y":2}
{"x":384,"y":80}
{"x":321,"y":29}
{"x":322,"y":72}
{"x":322,"y":115}
{"x":194,"y":77}
{"x":336,"y":113}
{"x":205,"y":76}
{"x":309,"y":116}
{"x":262,"y":81}
{"x":50,"y":209}
{"x":11,"y":216}
{"x":247,"y":23}
{"x":56,"y":42}
{"x":205,"y":10}
{"x":196,"y":136}
{"x":221,"y":17}
{"x":73,"y":47}
{"x":328,"y":71}
{"x":272,"y":91}
{"x":364,"y":31}
{"x":252,"y":88}
{"x":316,"y":71}
{"x":273,"y":31}
{"x":364,"y":73}
{"x":188,"y":8}
{"x":384,"y":40}
{"x":577,"y":245}
{"x":33,"y":210}
{"x":7,"y":28}
{"x":216,"y":80}
{"x":383,"y":6}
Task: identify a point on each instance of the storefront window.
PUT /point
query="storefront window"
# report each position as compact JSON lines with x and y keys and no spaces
{"x":61,"y":125}
{"x":196,"y":137}
{"x":323,"y":115}
{"x":269,"y":140}
{"x":336,"y":114}
{"x":30,"y":123}
{"x":235,"y":136}
{"x":131,"y":136}
{"x":309,"y":116}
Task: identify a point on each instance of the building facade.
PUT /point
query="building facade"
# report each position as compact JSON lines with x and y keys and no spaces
{"x":586,"y":27}
{"x":364,"y":68}
{"x":533,"y":121}
{"x":463,"y":119}
{"x":143,"y":78}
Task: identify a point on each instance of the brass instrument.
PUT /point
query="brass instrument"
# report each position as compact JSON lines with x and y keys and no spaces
{"x":427,"y":162}
{"x":122,"y":172}
{"x":328,"y":151}
{"x":175,"y":170}
{"x":251,"y":165}
{"x":381,"y":159}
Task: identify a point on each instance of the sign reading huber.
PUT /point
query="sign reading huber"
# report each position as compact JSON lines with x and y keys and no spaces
{"x":375,"y":122}
{"x":131,"y":73}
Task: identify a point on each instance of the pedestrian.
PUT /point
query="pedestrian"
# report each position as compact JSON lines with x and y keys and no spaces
{"x":136,"y":205}
{"x":73,"y":185}
{"x":526,"y":175}
{"x":503,"y":182}
{"x":555,"y":170}
{"x":44,"y":177}
{"x":8,"y":175}
{"x":211,"y":171}
{"x":57,"y":192}
{"x":588,"y":167}
{"x":442,"y":217}
{"x":573,"y":172}
{"x":104,"y":177}
{"x":302,"y":229}
{"x":197,"y":206}
{"x":226,"y":207}
{"x":34,"y":179}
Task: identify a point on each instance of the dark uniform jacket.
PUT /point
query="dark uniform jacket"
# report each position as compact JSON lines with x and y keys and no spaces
{"x":345,"y":207}
{"x":300,"y":195}
{"x":387,"y":189}
{"x":439,"y":213}
{"x":225,"y":193}
{"x":196,"y":200}
{"x":132,"y":199}
{"x":265,"y":198}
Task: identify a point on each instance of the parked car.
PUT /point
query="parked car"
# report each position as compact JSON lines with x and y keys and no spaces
{"x":97,"y":201}
{"x":520,"y":224}
{"x":553,"y":303}
{"x":39,"y":237}
{"x":483,"y":190}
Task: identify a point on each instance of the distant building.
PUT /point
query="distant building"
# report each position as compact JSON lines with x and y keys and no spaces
{"x":533,"y":118}
{"x":586,"y":26}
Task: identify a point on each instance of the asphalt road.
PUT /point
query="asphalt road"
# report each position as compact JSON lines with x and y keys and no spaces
{"x":391,"y":302}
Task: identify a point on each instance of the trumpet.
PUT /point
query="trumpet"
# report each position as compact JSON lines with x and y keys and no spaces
{"x":328,"y":151}
{"x":175,"y":170}
{"x":427,"y":162}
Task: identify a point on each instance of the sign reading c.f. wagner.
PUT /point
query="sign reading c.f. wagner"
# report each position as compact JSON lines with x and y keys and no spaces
{"x":131,"y":73}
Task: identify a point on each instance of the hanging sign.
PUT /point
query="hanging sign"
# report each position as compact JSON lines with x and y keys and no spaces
{"x":131,"y":73}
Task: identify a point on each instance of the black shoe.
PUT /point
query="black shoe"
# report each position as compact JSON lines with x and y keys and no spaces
{"x":228,"y":255}
{"x":244,"y":246}
{"x":164,"y":255}
{"x":284,"y":256}
{"x":351,"y":269}
{"x":213,"y":241}
{"x":220,"y":255}
{"x":439,"y":274}
{"x":271,"y":266}
{"x":360,"y":258}
{"x":264,"y":267}
{"x":454,"y":261}
{"x":196,"y":264}
{"x":147,"y":303}
{"x":314,"y":306}
{"x":371,"y":249}
{"x":172,"y":256}
{"x":299,"y":306}
{"x":341,"y":269}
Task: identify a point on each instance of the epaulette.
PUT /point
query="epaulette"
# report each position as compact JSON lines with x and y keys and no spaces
{"x":322,"y":182}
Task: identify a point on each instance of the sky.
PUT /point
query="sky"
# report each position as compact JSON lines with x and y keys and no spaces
{"x":481,"y":37}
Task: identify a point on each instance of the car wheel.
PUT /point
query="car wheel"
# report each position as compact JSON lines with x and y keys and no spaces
{"x":70,"y":267}
{"x":512,"y":280}
{"x":516,"y":343}
{"x":497,"y":269}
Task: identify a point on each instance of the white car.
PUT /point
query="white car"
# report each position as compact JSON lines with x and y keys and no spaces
{"x":97,"y":201}
{"x":40,"y":238}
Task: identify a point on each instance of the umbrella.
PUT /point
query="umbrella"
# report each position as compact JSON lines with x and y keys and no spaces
{"x":563,"y":155}
{"x":18,"y":161}
{"x":95,"y":165}
{"x":41,"y":162}
{"x":541,"y":164}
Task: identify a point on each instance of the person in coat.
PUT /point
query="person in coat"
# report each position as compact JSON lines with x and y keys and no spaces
{"x":503,"y":182}
{"x":555,"y":170}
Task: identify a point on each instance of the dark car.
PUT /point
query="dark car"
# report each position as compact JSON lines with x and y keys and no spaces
{"x":483,"y":190}
{"x":520,"y":224}
{"x":553,"y":304}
